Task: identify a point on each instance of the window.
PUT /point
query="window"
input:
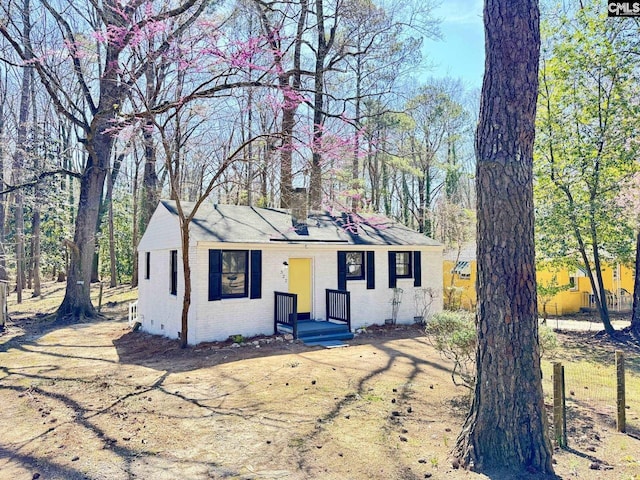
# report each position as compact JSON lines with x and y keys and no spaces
{"x":173,"y":254}
{"x":147,"y":265}
{"x":355,"y":265}
{"x":403,"y":264}
{"x":234,"y":273}
{"x":573,"y":283}
{"x":463,"y":270}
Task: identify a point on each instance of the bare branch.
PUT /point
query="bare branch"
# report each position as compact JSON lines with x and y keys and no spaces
{"x":35,"y":181}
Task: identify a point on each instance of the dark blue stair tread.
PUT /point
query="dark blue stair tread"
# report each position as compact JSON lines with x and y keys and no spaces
{"x":323,"y":338}
{"x":327,"y":344}
{"x":322,"y":331}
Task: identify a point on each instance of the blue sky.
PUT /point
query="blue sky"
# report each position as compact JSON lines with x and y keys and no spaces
{"x":460,"y":53}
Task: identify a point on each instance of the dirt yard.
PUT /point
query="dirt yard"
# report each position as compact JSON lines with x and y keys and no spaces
{"x":97,"y":401}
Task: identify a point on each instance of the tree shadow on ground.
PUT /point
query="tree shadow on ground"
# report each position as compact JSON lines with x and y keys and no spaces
{"x":165,"y":354}
{"x":600,"y":347}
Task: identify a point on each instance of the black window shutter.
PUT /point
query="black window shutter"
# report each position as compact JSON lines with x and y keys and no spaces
{"x":215,"y":275}
{"x":371,"y":270}
{"x":342,"y":270}
{"x":392,"y":269}
{"x":417,"y":269}
{"x":256,"y":274}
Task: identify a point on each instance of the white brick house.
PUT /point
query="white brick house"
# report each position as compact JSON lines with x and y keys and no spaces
{"x":241,"y":255}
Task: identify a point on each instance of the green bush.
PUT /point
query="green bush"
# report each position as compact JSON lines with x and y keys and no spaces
{"x":548,"y":341}
{"x":453,"y":335}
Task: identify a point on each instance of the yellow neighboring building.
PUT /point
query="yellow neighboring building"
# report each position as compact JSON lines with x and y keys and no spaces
{"x":459,"y":278}
{"x":460,"y":281}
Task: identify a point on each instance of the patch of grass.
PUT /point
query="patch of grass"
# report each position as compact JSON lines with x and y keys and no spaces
{"x":296,"y":442}
{"x":371,"y":397}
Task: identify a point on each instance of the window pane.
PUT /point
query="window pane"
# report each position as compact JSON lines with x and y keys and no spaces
{"x":233,"y":283}
{"x":354,"y":271}
{"x":403,"y":264}
{"x":355,"y":264}
{"x":233,"y":261}
{"x":234,"y":269}
{"x":174,"y":272}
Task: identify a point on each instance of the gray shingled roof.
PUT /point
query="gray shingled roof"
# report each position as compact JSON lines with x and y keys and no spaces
{"x":242,"y":224}
{"x":467,"y":252}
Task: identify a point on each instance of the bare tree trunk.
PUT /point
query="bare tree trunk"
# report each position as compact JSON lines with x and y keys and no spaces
{"x":36,"y":250}
{"x":36,"y":216}
{"x":635,"y":315}
{"x":150,"y":196}
{"x":289,"y":83}
{"x":21,"y":146}
{"x":112,"y":239}
{"x":134,"y":235}
{"x":324,"y":44}
{"x":186,"y":269}
{"x":3,"y":202}
{"x":77,"y":300}
{"x":602,"y":307}
{"x":506,"y":427}
{"x":356,"y":186}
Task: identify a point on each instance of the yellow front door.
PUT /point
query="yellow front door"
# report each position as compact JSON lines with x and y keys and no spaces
{"x":300,"y":282}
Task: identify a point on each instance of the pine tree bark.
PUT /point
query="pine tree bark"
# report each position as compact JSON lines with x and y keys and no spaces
{"x":506,"y":428}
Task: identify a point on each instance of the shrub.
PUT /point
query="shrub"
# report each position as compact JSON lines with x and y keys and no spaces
{"x":548,"y":341}
{"x":453,"y":335}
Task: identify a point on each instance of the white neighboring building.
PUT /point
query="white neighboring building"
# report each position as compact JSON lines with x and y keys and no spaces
{"x":241,"y":255}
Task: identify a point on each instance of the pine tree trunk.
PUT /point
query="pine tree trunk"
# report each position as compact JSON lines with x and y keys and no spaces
{"x":506,"y":428}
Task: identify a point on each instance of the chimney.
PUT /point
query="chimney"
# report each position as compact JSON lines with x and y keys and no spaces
{"x":299,"y":210}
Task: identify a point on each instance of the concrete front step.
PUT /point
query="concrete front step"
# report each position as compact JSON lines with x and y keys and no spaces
{"x":327,"y":344}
